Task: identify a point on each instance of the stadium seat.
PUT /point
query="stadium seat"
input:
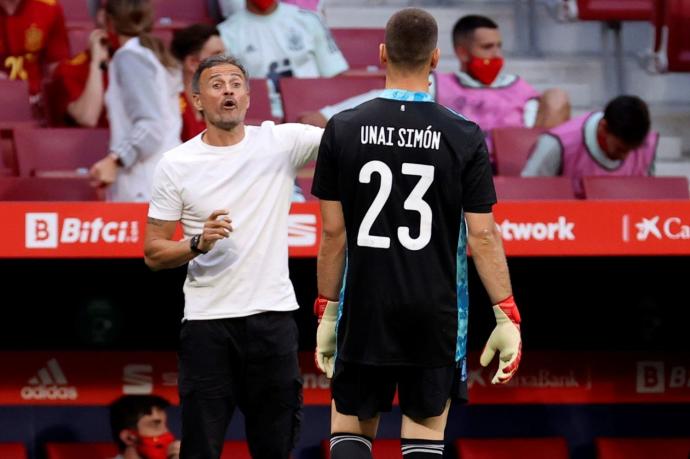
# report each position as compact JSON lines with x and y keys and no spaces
{"x":675,"y":46}
{"x":180,"y":13}
{"x":232,"y":449}
{"x":511,"y":147}
{"x":81,"y":450}
{"x":15,"y":105}
{"x":301,"y":95}
{"x":305,"y":184}
{"x":533,"y":188}
{"x":642,"y":448}
{"x":260,"y":106}
{"x":615,"y":10}
{"x":381,"y":449}
{"x":512,"y":448}
{"x":360,"y":46}
{"x":77,"y":13}
{"x":635,"y":187}
{"x":13,"y":451}
{"x":48,"y":189}
{"x":60,"y":152}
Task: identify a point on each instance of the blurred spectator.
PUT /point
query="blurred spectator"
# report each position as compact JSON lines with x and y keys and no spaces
{"x":34,"y":40}
{"x":228,"y":7}
{"x":79,"y":84}
{"x":142,"y":101}
{"x":274,"y":40}
{"x":615,"y":142}
{"x":191,"y":46}
{"x":139,"y":425}
{"x":480,"y":91}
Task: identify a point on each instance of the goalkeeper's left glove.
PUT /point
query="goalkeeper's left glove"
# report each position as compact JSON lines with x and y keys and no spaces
{"x":327,"y":313}
{"x":506,"y":340}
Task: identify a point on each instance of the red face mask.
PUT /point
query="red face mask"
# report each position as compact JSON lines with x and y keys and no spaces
{"x":154,"y":447}
{"x":263,"y":5}
{"x":485,"y":70}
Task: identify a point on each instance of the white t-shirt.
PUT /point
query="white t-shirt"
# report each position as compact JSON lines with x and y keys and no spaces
{"x":246,"y":273}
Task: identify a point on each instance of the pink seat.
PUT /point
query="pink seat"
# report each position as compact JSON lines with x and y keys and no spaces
{"x":615,"y":10}
{"x":533,"y":188}
{"x":301,"y":95}
{"x":232,"y":449}
{"x":15,"y":107}
{"x":13,"y":451}
{"x":636,"y":188}
{"x":260,"y":106}
{"x":512,"y":147}
{"x":512,"y":448}
{"x":642,"y":448}
{"x":678,"y":23}
{"x":305,"y":184}
{"x":181,"y":12}
{"x":359,"y":46}
{"x":381,"y":449}
{"x":77,"y":13}
{"x":59,"y":151}
{"x":47,"y":189}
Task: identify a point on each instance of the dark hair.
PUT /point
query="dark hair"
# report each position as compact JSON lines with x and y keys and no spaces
{"x":463,"y":30}
{"x":214,"y":61}
{"x":627,"y":118}
{"x":126,"y":411}
{"x":191,"y":40}
{"x":135,"y":18}
{"x":411,"y":36}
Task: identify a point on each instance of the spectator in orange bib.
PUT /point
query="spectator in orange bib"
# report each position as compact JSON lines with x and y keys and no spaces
{"x":34,"y":39}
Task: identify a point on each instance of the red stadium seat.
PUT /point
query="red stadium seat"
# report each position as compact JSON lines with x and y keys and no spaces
{"x":15,"y":106}
{"x":672,"y":22}
{"x":59,"y":152}
{"x":260,"y":106}
{"x":305,"y":184}
{"x":512,"y":146}
{"x":178,"y":13}
{"x":360,"y":46}
{"x":636,"y":188}
{"x":77,"y":13}
{"x":533,"y":188}
{"x":512,"y":448}
{"x":615,"y":10}
{"x":301,"y":95}
{"x":642,"y":448}
{"x":13,"y":451}
{"x":47,"y":189}
{"x":81,"y":450}
{"x":232,"y":449}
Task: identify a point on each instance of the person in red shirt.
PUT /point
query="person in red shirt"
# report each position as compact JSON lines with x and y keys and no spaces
{"x":190,"y":46}
{"x":33,"y":39}
{"x":77,"y":91}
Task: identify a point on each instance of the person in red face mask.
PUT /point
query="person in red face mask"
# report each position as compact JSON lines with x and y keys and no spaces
{"x":140,"y":428}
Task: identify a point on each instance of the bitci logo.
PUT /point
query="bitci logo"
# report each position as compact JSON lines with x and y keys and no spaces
{"x":41,"y":230}
{"x":47,"y":230}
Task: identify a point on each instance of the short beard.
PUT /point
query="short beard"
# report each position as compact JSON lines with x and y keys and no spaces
{"x":225,"y":125}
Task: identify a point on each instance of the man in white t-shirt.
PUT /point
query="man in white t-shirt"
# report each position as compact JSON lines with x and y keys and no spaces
{"x":230,"y":189}
{"x":274,"y":40}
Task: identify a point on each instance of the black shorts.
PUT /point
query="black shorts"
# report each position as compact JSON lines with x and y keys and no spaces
{"x":366,"y":390}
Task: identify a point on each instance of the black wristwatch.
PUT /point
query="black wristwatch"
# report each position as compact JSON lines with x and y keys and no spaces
{"x":194,"y":244}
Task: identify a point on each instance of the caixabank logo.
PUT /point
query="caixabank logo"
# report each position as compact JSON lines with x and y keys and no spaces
{"x":47,"y":231}
{"x":655,"y":228}
{"x":49,"y":383}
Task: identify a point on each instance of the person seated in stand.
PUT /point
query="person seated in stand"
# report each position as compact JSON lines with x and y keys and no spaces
{"x":617,"y":141}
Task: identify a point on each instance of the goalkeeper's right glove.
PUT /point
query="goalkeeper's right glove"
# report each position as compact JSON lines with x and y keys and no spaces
{"x":506,"y":340}
{"x":327,"y":313}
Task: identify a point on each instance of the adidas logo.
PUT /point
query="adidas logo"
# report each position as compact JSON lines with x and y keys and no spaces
{"x":49,"y":383}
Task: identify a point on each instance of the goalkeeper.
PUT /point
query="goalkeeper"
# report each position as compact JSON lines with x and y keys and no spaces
{"x":398,"y":177}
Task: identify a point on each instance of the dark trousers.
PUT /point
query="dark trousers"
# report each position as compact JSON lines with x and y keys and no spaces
{"x":249,"y":363}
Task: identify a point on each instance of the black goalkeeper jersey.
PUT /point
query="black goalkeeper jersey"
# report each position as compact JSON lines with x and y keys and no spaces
{"x":404,"y":169}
